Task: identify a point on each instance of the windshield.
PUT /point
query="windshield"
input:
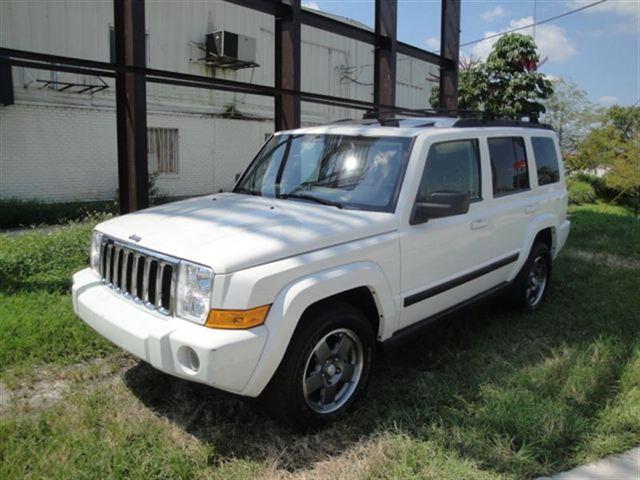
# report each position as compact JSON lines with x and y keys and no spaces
{"x":345,"y":171}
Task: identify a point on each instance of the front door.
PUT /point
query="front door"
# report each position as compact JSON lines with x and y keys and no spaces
{"x":447,"y":260}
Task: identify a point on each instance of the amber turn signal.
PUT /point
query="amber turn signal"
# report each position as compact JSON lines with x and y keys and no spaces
{"x":237,"y":319}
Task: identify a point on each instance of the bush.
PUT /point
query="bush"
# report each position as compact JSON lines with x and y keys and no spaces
{"x":18,"y":213}
{"x":580,"y":191}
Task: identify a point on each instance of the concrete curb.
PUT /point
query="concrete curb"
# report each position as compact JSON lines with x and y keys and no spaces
{"x":619,"y":467}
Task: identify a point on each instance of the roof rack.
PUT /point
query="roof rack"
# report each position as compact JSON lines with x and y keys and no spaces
{"x":385,"y":122}
{"x":463,"y":118}
{"x":479,"y":122}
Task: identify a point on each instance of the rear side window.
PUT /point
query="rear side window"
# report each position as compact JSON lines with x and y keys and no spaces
{"x":544,"y":150}
{"x":508,"y":165}
{"x":452,"y":167}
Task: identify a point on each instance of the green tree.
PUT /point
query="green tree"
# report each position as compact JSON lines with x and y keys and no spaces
{"x":508,"y":83}
{"x":615,"y":147}
{"x":571,"y":114}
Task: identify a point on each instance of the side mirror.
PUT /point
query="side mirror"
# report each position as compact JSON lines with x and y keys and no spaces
{"x":440,"y":204}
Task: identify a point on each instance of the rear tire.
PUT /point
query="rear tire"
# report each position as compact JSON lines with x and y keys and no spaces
{"x":325,"y":369}
{"x":532,"y":283}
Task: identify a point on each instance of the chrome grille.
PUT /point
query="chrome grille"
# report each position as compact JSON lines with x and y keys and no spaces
{"x":144,"y":277}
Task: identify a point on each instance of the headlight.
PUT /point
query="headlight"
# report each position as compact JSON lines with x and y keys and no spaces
{"x":94,"y":253}
{"x":195,"y":284}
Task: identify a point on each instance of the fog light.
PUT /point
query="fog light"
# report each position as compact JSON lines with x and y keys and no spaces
{"x":189,"y":359}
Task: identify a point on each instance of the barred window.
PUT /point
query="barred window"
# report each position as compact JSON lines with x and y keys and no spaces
{"x":162,"y":147}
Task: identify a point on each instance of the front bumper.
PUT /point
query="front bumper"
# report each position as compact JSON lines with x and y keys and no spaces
{"x":226,"y":358}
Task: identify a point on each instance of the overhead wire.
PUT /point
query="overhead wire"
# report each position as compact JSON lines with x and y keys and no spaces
{"x":541,"y":22}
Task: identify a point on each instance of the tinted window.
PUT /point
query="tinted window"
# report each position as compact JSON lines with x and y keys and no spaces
{"x":508,"y":165}
{"x":452,"y":167}
{"x":544,"y":150}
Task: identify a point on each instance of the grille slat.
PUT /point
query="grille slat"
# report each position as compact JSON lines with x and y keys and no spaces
{"x":116,"y":267}
{"x":145,"y":280}
{"x":145,"y":277}
{"x":134,"y":276}
{"x":158,"y":291}
{"x":123,"y":271}
{"x":109,"y":276}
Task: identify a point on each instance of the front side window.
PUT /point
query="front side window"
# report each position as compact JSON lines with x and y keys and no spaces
{"x":508,"y":165}
{"x":451,"y":167}
{"x":346,"y":171}
{"x":544,"y":150}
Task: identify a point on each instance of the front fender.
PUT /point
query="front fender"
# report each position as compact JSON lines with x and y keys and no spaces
{"x":295,"y":298}
{"x":547,"y":220}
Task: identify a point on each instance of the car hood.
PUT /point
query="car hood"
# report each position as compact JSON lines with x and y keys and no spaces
{"x":231,"y":232}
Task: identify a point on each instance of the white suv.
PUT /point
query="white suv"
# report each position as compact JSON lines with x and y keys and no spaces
{"x":335,"y":240}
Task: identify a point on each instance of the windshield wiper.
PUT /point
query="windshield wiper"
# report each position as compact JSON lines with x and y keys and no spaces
{"x":247,"y":191}
{"x":312,"y":198}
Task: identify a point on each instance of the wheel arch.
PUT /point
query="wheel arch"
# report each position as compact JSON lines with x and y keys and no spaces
{"x":362,"y":284}
{"x":543,"y":228}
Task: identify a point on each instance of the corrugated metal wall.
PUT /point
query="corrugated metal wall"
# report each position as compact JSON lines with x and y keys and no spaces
{"x":331,"y":64}
{"x":61,"y":146}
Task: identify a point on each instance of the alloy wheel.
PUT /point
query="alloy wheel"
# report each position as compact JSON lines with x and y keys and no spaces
{"x":332,"y":371}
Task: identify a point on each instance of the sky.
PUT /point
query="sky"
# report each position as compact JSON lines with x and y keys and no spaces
{"x":597,"y":48}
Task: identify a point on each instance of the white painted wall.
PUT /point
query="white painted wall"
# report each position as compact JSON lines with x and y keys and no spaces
{"x":53,"y":153}
{"x":61,"y":146}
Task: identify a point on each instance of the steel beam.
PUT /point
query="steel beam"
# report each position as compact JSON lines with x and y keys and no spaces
{"x":269,"y":7}
{"x":322,"y":22}
{"x":287,"y":69}
{"x":384,"y":69}
{"x":131,"y":105}
{"x":423,"y":55}
{"x":6,"y":85}
{"x":450,"y":48}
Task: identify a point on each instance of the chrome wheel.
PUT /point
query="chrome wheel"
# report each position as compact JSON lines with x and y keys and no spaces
{"x":332,"y":371}
{"x":536,"y":281}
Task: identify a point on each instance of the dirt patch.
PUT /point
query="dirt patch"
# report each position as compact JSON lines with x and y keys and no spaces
{"x":50,"y":384}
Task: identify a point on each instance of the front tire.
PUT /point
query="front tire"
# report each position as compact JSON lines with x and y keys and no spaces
{"x":532,"y":283}
{"x":325,"y":369}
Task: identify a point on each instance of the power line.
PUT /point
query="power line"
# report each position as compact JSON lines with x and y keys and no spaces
{"x":546,"y":20}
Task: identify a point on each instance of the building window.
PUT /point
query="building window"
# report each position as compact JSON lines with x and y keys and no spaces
{"x":162,"y":148}
{"x":508,"y":165}
{"x":544,"y":150}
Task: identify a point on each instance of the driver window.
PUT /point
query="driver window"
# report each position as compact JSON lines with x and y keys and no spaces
{"x":451,"y":167}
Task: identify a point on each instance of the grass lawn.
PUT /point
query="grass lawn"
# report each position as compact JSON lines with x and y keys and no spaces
{"x":490,"y":394}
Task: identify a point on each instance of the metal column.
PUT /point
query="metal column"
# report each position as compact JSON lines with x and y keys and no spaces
{"x":6,"y":84}
{"x":287,"y":68}
{"x":131,"y":105}
{"x":450,"y":47}
{"x":384,"y":75}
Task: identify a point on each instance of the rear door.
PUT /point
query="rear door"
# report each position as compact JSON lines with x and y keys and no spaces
{"x":513,"y":203}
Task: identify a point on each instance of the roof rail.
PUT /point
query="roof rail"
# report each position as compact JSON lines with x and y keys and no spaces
{"x":427,"y":112}
{"x":479,"y":122}
{"x":461,"y":119}
{"x":385,"y":122}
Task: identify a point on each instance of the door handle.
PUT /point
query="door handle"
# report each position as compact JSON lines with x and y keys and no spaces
{"x":530,"y":208}
{"x":478,"y":224}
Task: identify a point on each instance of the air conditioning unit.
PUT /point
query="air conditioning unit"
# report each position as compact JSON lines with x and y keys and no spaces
{"x":231,"y":45}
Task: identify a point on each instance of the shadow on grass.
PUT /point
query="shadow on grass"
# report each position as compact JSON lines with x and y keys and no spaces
{"x":238,"y":428}
{"x":515,"y":394}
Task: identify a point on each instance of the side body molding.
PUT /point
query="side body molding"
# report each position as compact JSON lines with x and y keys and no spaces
{"x":294,"y":299}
